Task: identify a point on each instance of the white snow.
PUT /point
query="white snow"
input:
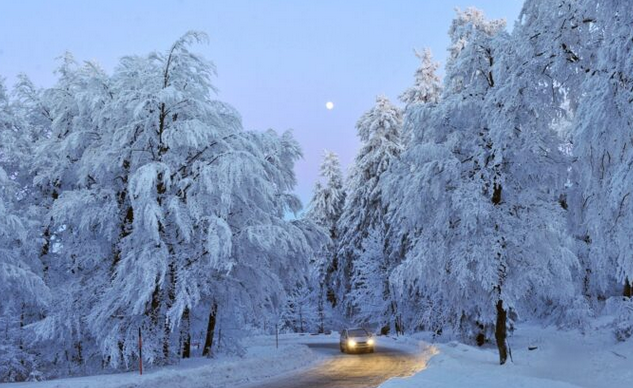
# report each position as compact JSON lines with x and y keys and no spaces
{"x":562,"y":359}
{"x":262,"y":360}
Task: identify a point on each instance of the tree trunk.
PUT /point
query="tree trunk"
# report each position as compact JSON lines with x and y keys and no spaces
{"x":45,"y":250}
{"x":80,"y":358}
{"x":321,"y":310}
{"x":628,"y":290}
{"x":208,"y":342}
{"x":501,"y":333}
{"x":300,"y":317}
{"x":186,"y":334}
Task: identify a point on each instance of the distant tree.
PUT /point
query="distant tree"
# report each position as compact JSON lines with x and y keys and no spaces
{"x":327,"y":202}
{"x":379,"y":130}
{"x":427,"y":87}
{"x":325,"y":210}
{"x":369,"y":293}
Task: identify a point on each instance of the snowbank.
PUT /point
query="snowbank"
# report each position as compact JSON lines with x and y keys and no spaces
{"x":562,"y":359}
{"x":262,"y":360}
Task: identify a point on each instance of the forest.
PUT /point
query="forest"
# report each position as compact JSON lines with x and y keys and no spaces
{"x":134,"y":202}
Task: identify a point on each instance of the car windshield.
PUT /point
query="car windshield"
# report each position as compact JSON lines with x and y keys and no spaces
{"x":358,"y":333}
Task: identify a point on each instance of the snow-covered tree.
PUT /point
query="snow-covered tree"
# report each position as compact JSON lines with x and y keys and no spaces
{"x":427,"y":87}
{"x":327,"y":203}
{"x":369,"y":293}
{"x":24,"y":293}
{"x":419,"y":99}
{"x":600,"y":194}
{"x":325,"y":210}
{"x":302,"y":314}
{"x":199,"y":207}
{"x":465,"y":52}
{"x":75,"y":221}
{"x":156,"y":211}
{"x":494,"y":228}
{"x":379,"y":130}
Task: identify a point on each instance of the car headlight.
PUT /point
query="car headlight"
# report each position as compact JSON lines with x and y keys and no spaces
{"x":370,"y":341}
{"x":351,"y":343}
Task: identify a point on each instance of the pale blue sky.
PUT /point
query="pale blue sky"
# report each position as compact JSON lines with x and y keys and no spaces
{"x":278,"y":62}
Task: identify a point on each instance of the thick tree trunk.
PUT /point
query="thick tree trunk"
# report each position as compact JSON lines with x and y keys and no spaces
{"x":501,"y":333}
{"x":208,"y":342}
{"x":628,"y":289}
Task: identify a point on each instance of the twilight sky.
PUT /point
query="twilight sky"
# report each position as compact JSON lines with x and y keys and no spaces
{"x":278,"y":62}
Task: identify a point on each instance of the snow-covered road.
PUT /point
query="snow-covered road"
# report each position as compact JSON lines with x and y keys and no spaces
{"x":353,"y":370}
{"x":299,"y":361}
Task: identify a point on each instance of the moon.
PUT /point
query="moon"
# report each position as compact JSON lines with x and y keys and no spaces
{"x":329,"y":105}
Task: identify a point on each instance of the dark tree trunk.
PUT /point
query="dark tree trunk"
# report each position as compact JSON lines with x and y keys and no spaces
{"x":628,"y":290}
{"x":321,"y":310}
{"x":208,"y":342}
{"x":300,"y":317}
{"x":186,"y":334}
{"x":20,"y":342}
{"x":496,"y":194}
{"x":80,"y":358}
{"x":166,"y":338}
{"x":501,"y":333}
{"x":171,"y":296}
{"x":45,"y":249}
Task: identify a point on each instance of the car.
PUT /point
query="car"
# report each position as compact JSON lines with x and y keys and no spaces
{"x":356,"y":341}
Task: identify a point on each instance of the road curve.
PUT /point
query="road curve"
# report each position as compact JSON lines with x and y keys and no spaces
{"x":350,"y":370}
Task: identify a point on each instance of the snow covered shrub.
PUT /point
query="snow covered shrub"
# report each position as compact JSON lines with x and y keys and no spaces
{"x":577,"y":314}
{"x":622,"y":310}
{"x":17,"y":365}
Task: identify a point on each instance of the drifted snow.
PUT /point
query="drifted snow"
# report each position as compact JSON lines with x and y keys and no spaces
{"x":262,"y":360}
{"x":562,"y":359}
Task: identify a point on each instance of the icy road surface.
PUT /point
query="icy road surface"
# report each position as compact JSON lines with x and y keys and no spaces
{"x":338,"y":370}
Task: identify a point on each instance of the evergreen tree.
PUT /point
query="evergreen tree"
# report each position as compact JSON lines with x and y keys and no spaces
{"x":379,"y":130}
{"x":427,"y":87}
{"x":327,"y":203}
{"x":369,"y":294}
{"x":325,"y":210}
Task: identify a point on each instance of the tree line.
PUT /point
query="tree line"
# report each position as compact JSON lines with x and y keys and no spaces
{"x":499,"y":194}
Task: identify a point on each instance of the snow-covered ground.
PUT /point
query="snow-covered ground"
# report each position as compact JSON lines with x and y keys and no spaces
{"x":562,"y":359}
{"x":262,"y":360}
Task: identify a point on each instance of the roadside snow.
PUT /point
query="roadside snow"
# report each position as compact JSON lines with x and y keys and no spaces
{"x":562,"y":359}
{"x":262,"y":360}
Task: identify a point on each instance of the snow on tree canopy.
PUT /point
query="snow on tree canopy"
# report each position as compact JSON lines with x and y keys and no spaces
{"x":158,"y":212}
